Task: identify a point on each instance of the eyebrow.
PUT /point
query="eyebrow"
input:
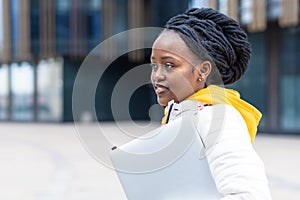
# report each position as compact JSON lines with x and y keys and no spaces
{"x":164,"y":58}
{"x":167,"y":57}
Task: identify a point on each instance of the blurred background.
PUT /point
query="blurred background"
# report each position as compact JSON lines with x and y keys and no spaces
{"x":42,"y":46}
{"x":44,"y":42}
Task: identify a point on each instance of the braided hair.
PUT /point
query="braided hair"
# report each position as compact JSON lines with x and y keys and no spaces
{"x":222,"y":37}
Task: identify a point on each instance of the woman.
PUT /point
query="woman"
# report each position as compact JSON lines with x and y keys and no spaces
{"x":197,"y":51}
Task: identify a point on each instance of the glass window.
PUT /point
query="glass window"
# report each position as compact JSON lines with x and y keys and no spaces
{"x":93,"y":23}
{"x":1,"y":27}
{"x":252,"y":86}
{"x":22,"y":92}
{"x":49,"y":81}
{"x":62,"y":11}
{"x":15,"y":19}
{"x":3,"y":92}
{"x":34,"y":26}
{"x":121,"y":19}
{"x":63,"y":5}
{"x":198,"y":3}
{"x":95,"y":5}
{"x":223,"y":6}
{"x":246,"y":11}
{"x":290,"y":80}
{"x":274,"y":10}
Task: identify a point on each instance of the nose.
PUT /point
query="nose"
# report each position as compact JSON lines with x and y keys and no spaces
{"x":158,"y":75}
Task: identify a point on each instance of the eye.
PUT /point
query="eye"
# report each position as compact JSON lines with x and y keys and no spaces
{"x":168,"y":65}
{"x":154,"y":66}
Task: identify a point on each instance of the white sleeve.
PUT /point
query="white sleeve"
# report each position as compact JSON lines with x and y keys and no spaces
{"x":236,"y":168}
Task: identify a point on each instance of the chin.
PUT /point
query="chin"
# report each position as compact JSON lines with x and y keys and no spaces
{"x":162,"y":102}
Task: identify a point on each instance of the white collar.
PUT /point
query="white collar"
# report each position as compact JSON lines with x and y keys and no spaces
{"x":185,"y":107}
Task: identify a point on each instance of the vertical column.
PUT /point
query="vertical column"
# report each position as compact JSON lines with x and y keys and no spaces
{"x":47,"y":29}
{"x":108,"y":12}
{"x":6,"y":54}
{"x":43,"y":29}
{"x":212,"y":4}
{"x":283,"y":14}
{"x":273,"y":60}
{"x":233,"y":9}
{"x":289,"y":13}
{"x":10,"y":95}
{"x":35,"y":92}
{"x":24,"y":33}
{"x":74,"y":28}
{"x":135,"y":19}
{"x":7,"y":43}
{"x":51,"y":28}
{"x":78,"y":29}
{"x":259,"y":20}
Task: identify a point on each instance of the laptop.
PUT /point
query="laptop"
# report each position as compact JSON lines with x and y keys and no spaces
{"x":169,"y":163}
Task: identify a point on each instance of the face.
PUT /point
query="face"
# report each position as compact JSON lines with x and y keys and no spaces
{"x":174,"y":75}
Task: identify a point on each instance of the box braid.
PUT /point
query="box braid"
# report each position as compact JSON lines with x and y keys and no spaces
{"x":222,"y":37}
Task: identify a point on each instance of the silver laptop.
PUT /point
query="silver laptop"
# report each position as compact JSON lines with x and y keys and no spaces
{"x":167,"y":164}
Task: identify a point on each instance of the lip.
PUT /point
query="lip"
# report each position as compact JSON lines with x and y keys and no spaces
{"x":159,"y":89}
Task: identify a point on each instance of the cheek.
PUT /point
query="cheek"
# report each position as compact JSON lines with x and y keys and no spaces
{"x":183,"y":81}
{"x":184,"y":85}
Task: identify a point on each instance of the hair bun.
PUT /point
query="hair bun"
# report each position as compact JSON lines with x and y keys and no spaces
{"x":221,"y":36}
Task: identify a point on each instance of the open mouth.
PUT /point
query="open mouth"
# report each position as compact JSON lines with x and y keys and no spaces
{"x":159,"y":89}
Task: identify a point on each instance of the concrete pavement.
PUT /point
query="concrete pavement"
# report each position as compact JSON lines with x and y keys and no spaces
{"x":49,"y":162}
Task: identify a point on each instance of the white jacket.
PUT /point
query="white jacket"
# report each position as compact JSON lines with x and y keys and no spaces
{"x":236,"y":168}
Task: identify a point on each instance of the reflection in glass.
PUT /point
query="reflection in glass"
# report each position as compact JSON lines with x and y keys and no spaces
{"x":246,"y":10}
{"x":93,"y":23}
{"x":274,"y":9}
{"x":290,"y":80}
{"x":50,"y":96}
{"x":288,"y":117}
{"x":198,"y":3}
{"x":1,"y":27}
{"x":3,"y":92}
{"x":22,"y":91}
{"x":223,"y":6}
{"x":62,"y":26}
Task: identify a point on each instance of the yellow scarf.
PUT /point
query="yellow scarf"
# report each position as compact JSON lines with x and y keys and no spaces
{"x":217,"y":95}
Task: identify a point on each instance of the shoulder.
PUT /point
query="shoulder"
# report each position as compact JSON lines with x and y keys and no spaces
{"x":222,"y":110}
{"x":221,"y":116}
{"x":219,"y":122}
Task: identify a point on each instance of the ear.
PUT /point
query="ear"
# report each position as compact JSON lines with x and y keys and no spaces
{"x":204,"y":69}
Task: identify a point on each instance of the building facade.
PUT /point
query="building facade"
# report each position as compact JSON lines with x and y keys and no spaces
{"x":43,"y":44}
